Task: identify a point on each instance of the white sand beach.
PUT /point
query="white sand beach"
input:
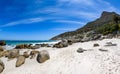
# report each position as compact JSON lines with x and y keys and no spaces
{"x":69,"y":61}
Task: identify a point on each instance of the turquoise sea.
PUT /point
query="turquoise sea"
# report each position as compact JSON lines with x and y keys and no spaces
{"x":15,"y":42}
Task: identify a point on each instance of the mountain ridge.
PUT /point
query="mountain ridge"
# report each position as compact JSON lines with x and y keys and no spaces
{"x":105,"y":18}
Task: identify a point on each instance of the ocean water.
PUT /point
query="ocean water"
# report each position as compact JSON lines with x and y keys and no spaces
{"x":15,"y":42}
{"x":10,"y":44}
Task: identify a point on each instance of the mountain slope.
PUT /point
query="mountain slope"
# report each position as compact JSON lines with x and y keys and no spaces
{"x":107,"y":19}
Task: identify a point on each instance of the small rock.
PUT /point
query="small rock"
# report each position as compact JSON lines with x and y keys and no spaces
{"x":25,"y":54}
{"x":1,"y":48}
{"x":70,"y":42}
{"x":80,"y":50}
{"x":110,"y":44}
{"x":96,"y":45}
{"x":103,"y":50}
{"x":2,"y":66}
{"x":42,"y":56}
{"x":20,"y":61}
{"x":33,"y":54}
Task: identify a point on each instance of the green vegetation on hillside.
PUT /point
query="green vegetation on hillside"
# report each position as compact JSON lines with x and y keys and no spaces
{"x":108,"y":28}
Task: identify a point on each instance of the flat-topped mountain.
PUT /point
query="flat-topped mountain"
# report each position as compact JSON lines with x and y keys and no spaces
{"x":107,"y":23}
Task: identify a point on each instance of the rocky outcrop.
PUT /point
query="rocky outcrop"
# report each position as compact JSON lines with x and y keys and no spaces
{"x":99,"y":25}
{"x":22,"y":46}
{"x":20,"y":61}
{"x":2,"y":66}
{"x":27,"y":46}
{"x":61,"y":44}
{"x":2,"y":43}
{"x":42,"y":56}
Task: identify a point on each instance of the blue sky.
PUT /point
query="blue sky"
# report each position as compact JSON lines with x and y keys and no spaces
{"x":43,"y":19}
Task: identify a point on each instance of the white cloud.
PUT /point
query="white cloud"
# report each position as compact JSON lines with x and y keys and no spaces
{"x":70,"y":22}
{"x":64,"y":29}
{"x":78,"y":9}
{"x":24,"y":21}
{"x":87,"y":10}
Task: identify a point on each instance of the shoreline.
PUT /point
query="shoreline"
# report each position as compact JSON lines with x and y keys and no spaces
{"x":68,"y":61}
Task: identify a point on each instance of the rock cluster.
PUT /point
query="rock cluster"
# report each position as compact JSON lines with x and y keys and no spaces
{"x":41,"y":56}
{"x":23,"y":46}
{"x":30,"y":46}
{"x":63,"y":43}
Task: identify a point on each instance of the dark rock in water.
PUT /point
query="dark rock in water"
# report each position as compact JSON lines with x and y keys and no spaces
{"x":20,"y":61}
{"x":25,"y":54}
{"x":81,"y":50}
{"x":33,"y":54}
{"x":2,"y":43}
{"x":1,"y":48}
{"x":42,"y":56}
{"x":103,"y":50}
{"x":96,"y":45}
{"x":14,"y":53}
{"x":2,"y":66}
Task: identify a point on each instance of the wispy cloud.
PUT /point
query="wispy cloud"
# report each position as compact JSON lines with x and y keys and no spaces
{"x":24,"y":21}
{"x":85,"y":9}
{"x":64,"y":29}
{"x":70,"y":22}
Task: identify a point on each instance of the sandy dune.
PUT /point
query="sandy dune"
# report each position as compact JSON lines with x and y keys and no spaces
{"x":68,"y":61}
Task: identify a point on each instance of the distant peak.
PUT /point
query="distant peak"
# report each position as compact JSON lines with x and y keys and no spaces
{"x":105,"y":13}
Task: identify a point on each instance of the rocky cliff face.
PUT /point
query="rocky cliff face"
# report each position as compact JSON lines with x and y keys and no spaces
{"x":99,"y":25}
